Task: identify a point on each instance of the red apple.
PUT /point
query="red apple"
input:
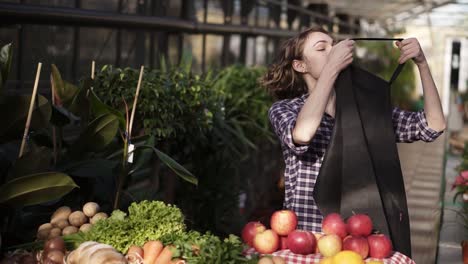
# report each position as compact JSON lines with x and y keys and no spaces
{"x":357,"y":244}
{"x":266,"y":242}
{"x":250,"y":230}
{"x":283,"y":222}
{"x":359,"y":225}
{"x":284,"y":242}
{"x":329,"y":245}
{"x":317,"y":237}
{"x":380,"y":246}
{"x":301,"y":242}
{"x":334,"y":224}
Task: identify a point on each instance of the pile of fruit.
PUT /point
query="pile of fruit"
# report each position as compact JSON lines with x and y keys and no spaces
{"x":65,"y":222}
{"x":340,"y":241}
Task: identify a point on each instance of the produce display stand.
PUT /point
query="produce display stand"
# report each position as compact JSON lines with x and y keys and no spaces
{"x":395,"y":258}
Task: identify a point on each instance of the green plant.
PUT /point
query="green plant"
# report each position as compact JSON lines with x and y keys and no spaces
{"x":29,"y":179}
{"x":101,"y":130}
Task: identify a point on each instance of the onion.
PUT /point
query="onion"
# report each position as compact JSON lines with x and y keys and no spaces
{"x":55,"y":255}
{"x":56,"y":243}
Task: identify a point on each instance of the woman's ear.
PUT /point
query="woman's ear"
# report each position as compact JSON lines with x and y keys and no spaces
{"x":299,"y":66}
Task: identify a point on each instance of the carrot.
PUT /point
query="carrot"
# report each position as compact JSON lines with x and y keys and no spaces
{"x":135,"y":250}
{"x":165,"y":257}
{"x":135,"y":254}
{"x":152,"y":249}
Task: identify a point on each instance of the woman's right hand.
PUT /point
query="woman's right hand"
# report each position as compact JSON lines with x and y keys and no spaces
{"x":340,"y":56}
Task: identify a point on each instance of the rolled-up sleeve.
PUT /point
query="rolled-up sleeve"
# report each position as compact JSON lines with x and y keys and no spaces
{"x":412,"y":126}
{"x":283,"y":119}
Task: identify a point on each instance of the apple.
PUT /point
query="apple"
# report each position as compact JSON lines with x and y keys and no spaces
{"x":283,"y":222}
{"x":380,"y":246}
{"x":357,"y":244}
{"x":301,"y":242}
{"x":284,"y":242}
{"x":266,"y":242}
{"x":334,"y":224}
{"x":359,"y":225}
{"x":317,"y":237}
{"x":250,"y":230}
{"x":329,"y":245}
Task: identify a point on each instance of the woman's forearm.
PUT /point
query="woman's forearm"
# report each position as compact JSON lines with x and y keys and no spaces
{"x":432,"y":106}
{"x":310,"y":116}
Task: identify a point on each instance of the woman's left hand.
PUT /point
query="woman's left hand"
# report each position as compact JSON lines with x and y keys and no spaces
{"x":410,"y":49}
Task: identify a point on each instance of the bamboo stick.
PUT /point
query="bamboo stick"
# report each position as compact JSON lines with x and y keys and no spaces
{"x":54,"y":132}
{"x":135,"y":102}
{"x":31,"y":108}
{"x":93,"y":67}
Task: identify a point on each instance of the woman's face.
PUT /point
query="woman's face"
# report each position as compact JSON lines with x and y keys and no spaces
{"x":315,"y":54}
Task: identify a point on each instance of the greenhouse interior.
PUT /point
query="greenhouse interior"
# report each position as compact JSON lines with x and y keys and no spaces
{"x":234,"y":131}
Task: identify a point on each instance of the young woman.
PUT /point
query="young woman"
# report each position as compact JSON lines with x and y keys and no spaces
{"x":302,"y":79}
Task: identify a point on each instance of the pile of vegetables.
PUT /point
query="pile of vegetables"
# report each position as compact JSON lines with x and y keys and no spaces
{"x":155,"y":221}
{"x":147,"y":220}
{"x":151,"y":233}
{"x":152,"y":252}
{"x":65,"y":222}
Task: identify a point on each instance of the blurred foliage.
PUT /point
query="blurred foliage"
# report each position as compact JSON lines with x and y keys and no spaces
{"x":211,"y":122}
{"x":381,"y":58}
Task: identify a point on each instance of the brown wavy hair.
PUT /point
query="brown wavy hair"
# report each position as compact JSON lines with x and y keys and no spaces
{"x":281,"y":80}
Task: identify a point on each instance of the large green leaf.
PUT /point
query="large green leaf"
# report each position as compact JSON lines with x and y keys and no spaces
{"x":36,"y":189}
{"x":14,"y":112}
{"x":79,"y":104}
{"x":5,"y":64}
{"x":99,"y":108}
{"x":99,"y":133}
{"x":173,"y":165}
{"x":65,"y":91}
{"x":143,"y":156}
{"x":34,"y":161}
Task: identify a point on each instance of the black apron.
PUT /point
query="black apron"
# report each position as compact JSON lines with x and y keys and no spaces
{"x":361,"y":170}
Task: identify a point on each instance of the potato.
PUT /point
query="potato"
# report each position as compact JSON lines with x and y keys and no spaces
{"x":43,"y":231}
{"x":69,"y":230}
{"x":55,"y":232}
{"x":90,"y":209}
{"x":97,"y":217}
{"x":77,"y":218}
{"x":86,"y":227}
{"x":43,"y":234}
{"x":45,"y":226}
{"x":61,"y":223}
{"x":61,"y":213}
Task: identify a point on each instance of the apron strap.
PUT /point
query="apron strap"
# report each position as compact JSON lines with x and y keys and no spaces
{"x":399,"y":68}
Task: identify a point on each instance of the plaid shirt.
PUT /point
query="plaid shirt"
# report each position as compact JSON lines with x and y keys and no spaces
{"x":303,"y":161}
